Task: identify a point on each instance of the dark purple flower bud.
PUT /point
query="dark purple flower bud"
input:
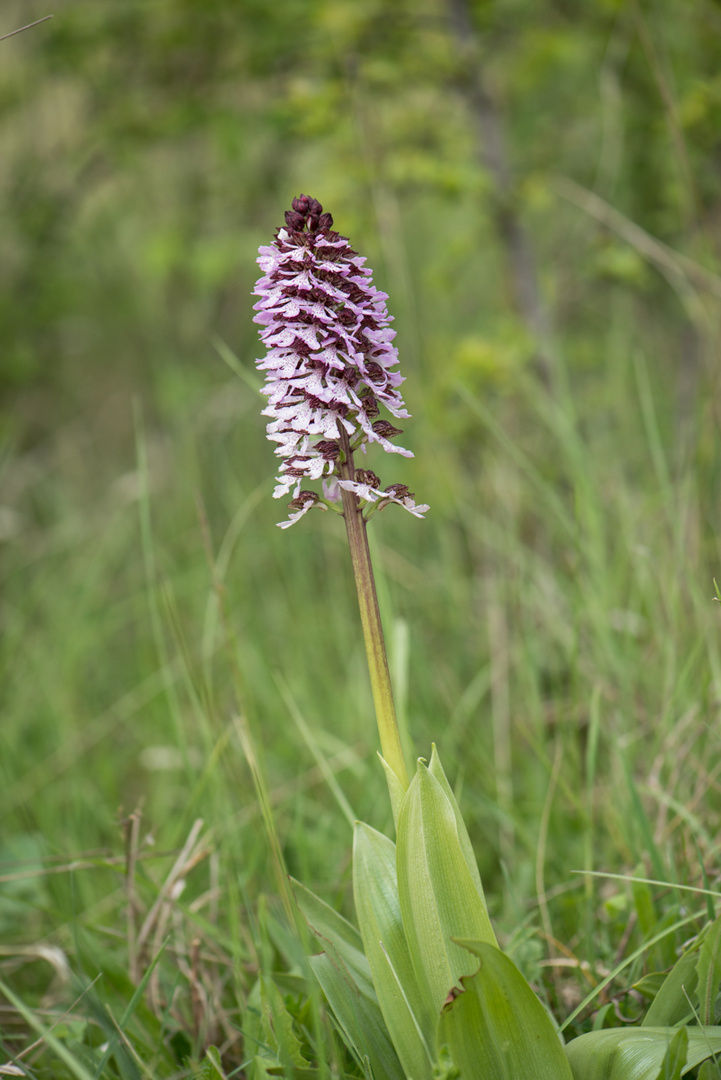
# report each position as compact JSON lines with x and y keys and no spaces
{"x":370,"y":402}
{"x":386,"y":429}
{"x":301,"y":204}
{"x":366,"y":476}
{"x":400,"y":491}
{"x":294,"y":221}
{"x":329,"y":449}
{"x":302,"y":499}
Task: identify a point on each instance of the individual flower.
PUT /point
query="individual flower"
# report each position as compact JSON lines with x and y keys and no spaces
{"x":330,"y":365}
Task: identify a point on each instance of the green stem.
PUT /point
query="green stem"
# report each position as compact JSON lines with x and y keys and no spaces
{"x":371,"y":622}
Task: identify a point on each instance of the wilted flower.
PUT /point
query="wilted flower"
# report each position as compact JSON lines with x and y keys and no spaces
{"x":330,"y":364}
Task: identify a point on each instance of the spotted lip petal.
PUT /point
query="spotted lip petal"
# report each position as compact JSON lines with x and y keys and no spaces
{"x":330,"y":365}
{"x":374,"y":494}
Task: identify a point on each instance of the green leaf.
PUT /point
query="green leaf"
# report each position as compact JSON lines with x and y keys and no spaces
{"x":638,"y":1053}
{"x":496,"y":1028}
{"x":438,"y":894}
{"x":211,"y":1067}
{"x":643,"y":902}
{"x":436,"y":769}
{"x":708,"y":970}
{"x":260,"y":1066}
{"x":676,"y":1057}
{"x":337,"y":936}
{"x":375,"y":890}
{"x":605,"y":1012}
{"x":396,"y":790}
{"x":278,"y":1025}
{"x":359,"y":1019}
{"x":709,"y":1071}
{"x":649,"y":985}
{"x":671,"y":1004}
{"x":345,"y":978}
{"x":289,"y":982}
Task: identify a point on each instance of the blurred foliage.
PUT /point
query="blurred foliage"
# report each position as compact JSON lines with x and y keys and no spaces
{"x":147,"y":146}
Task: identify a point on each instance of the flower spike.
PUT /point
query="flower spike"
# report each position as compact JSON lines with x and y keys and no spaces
{"x":330,"y":365}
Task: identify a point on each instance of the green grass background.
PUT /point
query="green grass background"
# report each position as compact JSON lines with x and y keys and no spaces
{"x":551,"y":623}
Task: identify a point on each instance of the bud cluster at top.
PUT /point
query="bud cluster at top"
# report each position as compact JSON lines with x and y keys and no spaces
{"x":330,"y":365}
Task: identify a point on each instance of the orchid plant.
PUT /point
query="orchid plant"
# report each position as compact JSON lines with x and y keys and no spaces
{"x":421,"y":989}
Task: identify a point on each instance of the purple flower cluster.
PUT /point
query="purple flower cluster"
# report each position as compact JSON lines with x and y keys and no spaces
{"x":329,"y":366}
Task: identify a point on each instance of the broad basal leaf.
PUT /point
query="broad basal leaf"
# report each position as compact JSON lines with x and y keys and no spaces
{"x":496,"y":1028}
{"x":436,"y":769}
{"x":359,"y":1020}
{"x":438,"y":893}
{"x":375,"y":890}
{"x":338,"y":938}
{"x":345,"y":978}
{"x":636,"y":1054}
